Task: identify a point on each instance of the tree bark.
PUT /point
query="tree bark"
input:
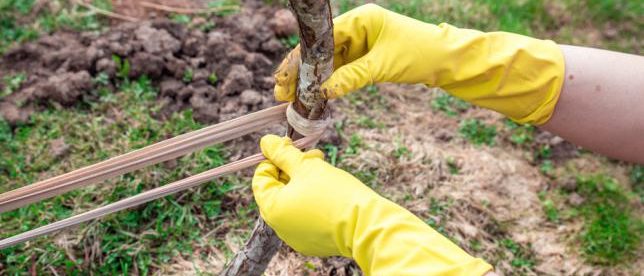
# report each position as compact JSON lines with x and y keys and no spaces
{"x":316,"y":43}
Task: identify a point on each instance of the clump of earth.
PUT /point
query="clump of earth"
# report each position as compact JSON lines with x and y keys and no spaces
{"x":221,"y":74}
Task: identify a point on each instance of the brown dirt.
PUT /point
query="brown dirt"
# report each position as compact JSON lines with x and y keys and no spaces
{"x":241,"y":51}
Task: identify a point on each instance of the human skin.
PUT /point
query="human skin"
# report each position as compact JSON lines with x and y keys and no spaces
{"x":601,"y":105}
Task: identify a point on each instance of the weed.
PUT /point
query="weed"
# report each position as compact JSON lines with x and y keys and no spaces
{"x":449,"y":105}
{"x":547,"y":168}
{"x":521,"y":134}
{"x":521,"y":258}
{"x":122,"y":67}
{"x":544,"y":152}
{"x":332,"y":153}
{"x":212,"y":78}
{"x":208,"y":26}
{"x":368,"y":122}
{"x":452,"y":165}
{"x":181,"y":18}
{"x":439,"y":214}
{"x":291,"y":41}
{"x":477,"y":132}
{"x":141,"y":88}
{"x":355,"y":142}
{"x":102,"y":79}
{"x":551,"y":210}
{"x":188,"y":75}
{"x":401,"y":151}
{"x":12,"y":83}
{"x":611,"y":233}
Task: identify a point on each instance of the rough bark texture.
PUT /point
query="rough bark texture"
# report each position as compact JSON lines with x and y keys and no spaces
{"x":256,"y":254}
{"x":316,"y":38}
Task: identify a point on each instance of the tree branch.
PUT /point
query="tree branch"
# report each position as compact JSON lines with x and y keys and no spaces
{"x":316,"y":36}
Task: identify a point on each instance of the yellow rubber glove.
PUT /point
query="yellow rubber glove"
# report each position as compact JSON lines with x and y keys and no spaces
{"x":320,"y":210}
{"x":516,"y":75}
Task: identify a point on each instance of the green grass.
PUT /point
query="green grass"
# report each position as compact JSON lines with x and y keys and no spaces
{"x":449,"y":105}
{"x":138,"y":239}
{"x":520,"y":134}
{"x":612,"y":233}
{"x":521,"y":258}
{"x":20,"y":23}
{"x":477,"y":132}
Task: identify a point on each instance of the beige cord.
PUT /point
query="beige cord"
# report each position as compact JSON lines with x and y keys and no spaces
{"x":305,"y":126}
{"x":153,"y":154}
{"x":146,"y":196}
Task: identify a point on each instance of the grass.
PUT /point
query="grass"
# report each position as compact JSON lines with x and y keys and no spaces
{"x":139,"y":239}
{"x":520,"y":134}
{"x":612,"y":233}
{"x":477,"y":132}
{"x":449,"y":105}
{"x":521,"y":258}
{"x":19,"y":22}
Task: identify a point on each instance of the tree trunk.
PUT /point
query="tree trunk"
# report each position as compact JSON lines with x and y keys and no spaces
{"x":316,"y":39}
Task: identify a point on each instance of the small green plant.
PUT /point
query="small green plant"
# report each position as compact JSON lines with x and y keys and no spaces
{"x":449,"y":105}
{"x":439,"y":211}
{"x":141,"y":87}
{"x":401,"y":151}
{"x":547,"y":167}
{"x":452,"y":165}
{"x":368,"y":122}
{"x":543,"y":152}
{"x":12,"y":83}
{"x":331,"y":153}
{"x":188,"y":75}
{"x":291,"y":41}
{"x":477,"y":132}
{"x":611,"y":232}
{"x":181,"y":18}
{"x":551,"y":210}
{"x":521,"y":134}
{"x":122,"y":67}
{"x":208,"y":26}
{"x":355,"y":142}
{"x":521,"y":258}
{"x":212,"y":78}
{"x":102,"y":79}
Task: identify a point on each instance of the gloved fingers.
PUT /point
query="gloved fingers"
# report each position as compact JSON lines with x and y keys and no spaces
{"x":314,"y":153}
{"x":355,"y":32}
{"x":281,"y":152}
{"x":286,"y":76}
{"x":266,"y":183}
{"x":348,"y":78}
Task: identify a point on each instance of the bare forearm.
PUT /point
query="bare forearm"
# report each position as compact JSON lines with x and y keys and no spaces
{"x":601,"y":106}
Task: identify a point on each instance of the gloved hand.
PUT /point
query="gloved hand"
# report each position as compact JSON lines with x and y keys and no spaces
{"x":320,"y":210}
{"x":516,"y":75}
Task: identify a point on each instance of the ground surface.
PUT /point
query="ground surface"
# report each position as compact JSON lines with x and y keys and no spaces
{"x":525,"y":200}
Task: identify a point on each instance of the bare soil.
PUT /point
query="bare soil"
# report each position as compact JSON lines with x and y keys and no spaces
{"x":241,"y":51}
